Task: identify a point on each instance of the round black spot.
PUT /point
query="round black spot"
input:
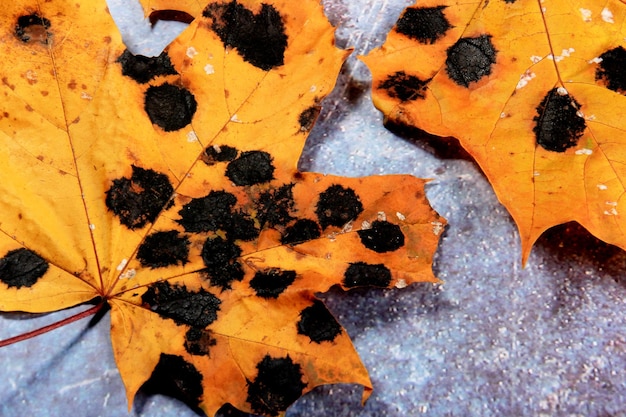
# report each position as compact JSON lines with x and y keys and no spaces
{"x":22,"y":268}
{"x":162,"y":249}
{"x":210,"y":213}
{"x":143,"y":68}
{"x":199,"y":341}
{"x":382,"y":237}
{"x":361,"y":274}
{"x":33,"y":28}
{"x":175,"y":377}
{"x":611,"y":69}
{"x":318,"y":323}
{"x":196,"y":309}
{"x":169,"y":107}
{"x":138,"y":200}
{"x":307,"y":118}
{"x":252,"y":167}
{"x":222,"y":153}
{"x":260,"y":38}
{"x":275,"y":205}
{"x":470,"y":59}
{"x":557,"y":123}
{"x":221,"y":259}
{"x":301,"y":231}
{"x":337,"y":206}
{"x":277,"y":385}
{"x":242,"y":227}
{"x":215,"y":212}
{"x":424,"y":24}
{"x":404,"y":87}
{"x":272,"y":282}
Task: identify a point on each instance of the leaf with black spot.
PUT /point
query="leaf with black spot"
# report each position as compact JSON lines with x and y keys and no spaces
{"x":22,"y":268}
{"x":318,"y":324}
{"x":176,"y":302}
{"x":258,"y":37}
{"x":162,"y":249}
{"x":337,"y":205}
{"x":277,"y":385}
{"x":138,"y":200}
{"x":544,"y":125}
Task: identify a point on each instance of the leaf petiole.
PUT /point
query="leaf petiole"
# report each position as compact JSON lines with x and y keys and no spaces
{"x":78,"y":316}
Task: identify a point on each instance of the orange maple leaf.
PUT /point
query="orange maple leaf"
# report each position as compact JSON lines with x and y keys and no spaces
{"x":533,"y":91}
{"x":167,"y":189}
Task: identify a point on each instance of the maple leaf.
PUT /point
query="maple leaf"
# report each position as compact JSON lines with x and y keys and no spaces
{"x":534,"y":92}
{"x":166,"y":188}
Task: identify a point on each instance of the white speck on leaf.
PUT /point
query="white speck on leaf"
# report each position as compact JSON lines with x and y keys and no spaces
{"x":607,"y":15}
{"x":584,"y":151}
{"x":562,"y":91}
{"x":382,"y":216}
{"x":400,"y":216}
{"x":191,"y":52}
{"x":437,"y":227}
{"x":586,"y":14}
{"x":535,"y":58}
{"x":128,"y":274}
{"x":192,"y":137}
{"x":401,"y":283}
{"x":525,"y":78}
{"x":122,"y":264}
{"x":602,"y":187}
{"x":209,"y":69}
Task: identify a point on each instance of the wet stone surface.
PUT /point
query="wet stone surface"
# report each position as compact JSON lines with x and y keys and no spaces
{"x":495,"y":339}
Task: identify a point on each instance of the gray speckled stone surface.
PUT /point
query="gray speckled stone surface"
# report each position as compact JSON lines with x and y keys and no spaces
{"x":495,"y":339}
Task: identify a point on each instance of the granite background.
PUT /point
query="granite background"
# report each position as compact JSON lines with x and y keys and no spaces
{"x":495,"y":339}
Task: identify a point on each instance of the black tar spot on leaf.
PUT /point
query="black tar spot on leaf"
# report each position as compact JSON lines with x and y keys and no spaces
{"x":223,"y":153}
{"x":557,"y":124}
{"x":275,"y":205}
{"x":220,"y":257}
{"x":169,"y":107}
{"x":260,"y":39}
{"x":33,"y":27}
{"x":424,"y":24}
{"x":142,"y":68}
{"x":252,"y":167}
{"x":210,"y":213}
{"x":199,"y":341}
{"x":138,"y":200}
{"x":307,"y":118}
{"x":337,"y":206}
{"x":277,"y":385}
{"x":470,"y":59}
{"x":404,"y":87}
{"x":318,"y":323}
{"x":611,"y":69}
{"x":272,"y":282}
{"x":196,"y":309}
{"x":361,"y":274}
{"x":161,"y":249}
{"x":301,"y":231}
{"x":382,"y":237}
{"x":215,"y":212}
{"x":175,"y":377}
{"x":22,"y":268}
